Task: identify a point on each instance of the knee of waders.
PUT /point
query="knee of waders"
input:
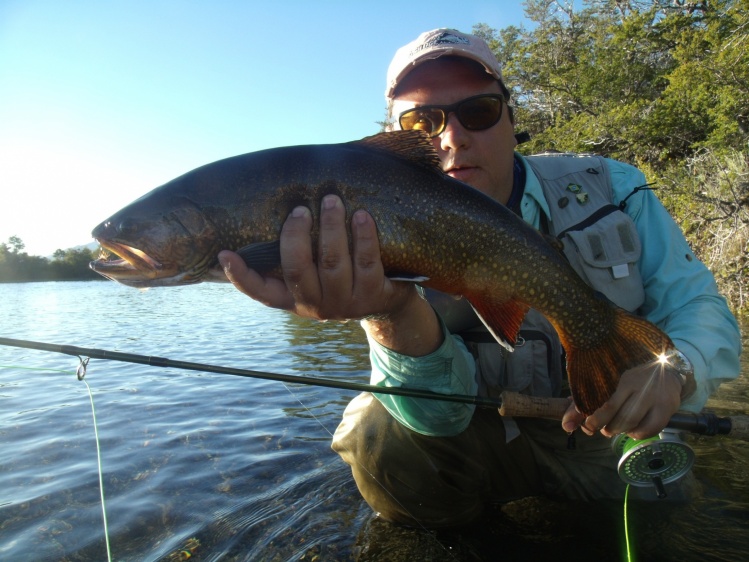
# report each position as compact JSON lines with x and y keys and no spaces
{"x":404,"y":476}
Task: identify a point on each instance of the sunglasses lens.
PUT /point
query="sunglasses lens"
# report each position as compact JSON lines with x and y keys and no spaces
{"x":475,"y":114}
{"x":429,"y":120}
{"x":480,"y":113}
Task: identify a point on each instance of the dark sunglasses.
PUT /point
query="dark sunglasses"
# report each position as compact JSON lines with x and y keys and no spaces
{"x":475,"y":114}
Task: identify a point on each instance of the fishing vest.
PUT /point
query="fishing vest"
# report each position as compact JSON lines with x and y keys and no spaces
{"x":602,"y":246}
{"x":600,"y":239}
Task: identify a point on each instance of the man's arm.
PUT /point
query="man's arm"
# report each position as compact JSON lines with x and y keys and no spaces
{"x":682,"y":299}
{"x":681,"y":296}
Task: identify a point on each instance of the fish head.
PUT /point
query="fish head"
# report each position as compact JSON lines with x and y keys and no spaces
{"x":157,"y":241}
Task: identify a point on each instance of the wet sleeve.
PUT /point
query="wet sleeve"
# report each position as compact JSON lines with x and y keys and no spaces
{"x":681,"y":296}
{"x":450,"y":369}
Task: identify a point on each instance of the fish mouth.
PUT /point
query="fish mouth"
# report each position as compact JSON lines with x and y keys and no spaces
{"x":130,"y":262}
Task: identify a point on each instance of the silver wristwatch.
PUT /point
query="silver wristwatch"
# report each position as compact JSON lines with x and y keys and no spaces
{"x":682,"y":367}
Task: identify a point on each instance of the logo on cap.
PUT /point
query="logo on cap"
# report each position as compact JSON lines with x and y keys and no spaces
{"x":445,"y":38}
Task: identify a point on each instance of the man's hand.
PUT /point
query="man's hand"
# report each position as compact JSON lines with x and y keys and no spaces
{"x":341,"y":284}
{"x":644,"y":401}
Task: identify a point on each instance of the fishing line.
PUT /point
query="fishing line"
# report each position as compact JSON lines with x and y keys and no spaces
{"x":35,"y":369}
{"x":80,"y":374}
{"x":626,"y":524}
{"x":164,"y":362}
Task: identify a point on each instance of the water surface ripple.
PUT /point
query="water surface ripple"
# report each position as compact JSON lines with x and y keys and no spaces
{"x":232,"y":468}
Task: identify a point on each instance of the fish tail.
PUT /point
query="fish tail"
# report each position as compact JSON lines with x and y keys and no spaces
{"x":594,"y":371}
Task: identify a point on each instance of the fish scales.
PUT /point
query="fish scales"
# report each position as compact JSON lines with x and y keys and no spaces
{"x":430,"y":227}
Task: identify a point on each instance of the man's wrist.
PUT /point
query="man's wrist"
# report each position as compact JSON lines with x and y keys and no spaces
{"x":678,"y":364}
{"x":411,"y":330}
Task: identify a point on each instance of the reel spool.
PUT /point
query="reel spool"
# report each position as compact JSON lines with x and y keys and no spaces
{"x":655,"y":461}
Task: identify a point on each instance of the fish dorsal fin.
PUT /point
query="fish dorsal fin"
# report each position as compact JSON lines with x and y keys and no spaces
{"x":414,"y":146}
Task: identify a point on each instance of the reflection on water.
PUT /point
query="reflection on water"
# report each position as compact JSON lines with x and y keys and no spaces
{"x":229,"y":468}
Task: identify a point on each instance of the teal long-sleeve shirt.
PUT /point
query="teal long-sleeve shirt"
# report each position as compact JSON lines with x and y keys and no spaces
{"x":680,"y":297}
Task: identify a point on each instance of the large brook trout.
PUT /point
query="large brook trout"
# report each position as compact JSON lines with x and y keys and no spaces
{"x":432,"y":229}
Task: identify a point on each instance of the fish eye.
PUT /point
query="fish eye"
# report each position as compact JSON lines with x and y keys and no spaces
{"x":127,"y":226}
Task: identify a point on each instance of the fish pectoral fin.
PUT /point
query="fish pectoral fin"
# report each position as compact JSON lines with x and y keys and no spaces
{"x":262,"y":256}
{"x":502,"y":319}
{"x":408,"y":277}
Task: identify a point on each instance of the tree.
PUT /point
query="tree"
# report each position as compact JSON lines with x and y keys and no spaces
{"x":68,"y":265}
{"x":16,"y":244}
{"x":637,"y":80}
{"x":706,"y":101}
{"x":72,"y":265}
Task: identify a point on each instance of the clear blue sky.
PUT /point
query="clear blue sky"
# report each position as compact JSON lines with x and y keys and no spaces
{"x":101,"y":101}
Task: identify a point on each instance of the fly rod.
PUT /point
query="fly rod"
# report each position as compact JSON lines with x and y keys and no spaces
{"x":509,"y":403}
{"x":294,"y":379}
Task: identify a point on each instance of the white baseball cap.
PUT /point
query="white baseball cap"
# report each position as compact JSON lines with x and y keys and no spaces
{"x":434,"y":44}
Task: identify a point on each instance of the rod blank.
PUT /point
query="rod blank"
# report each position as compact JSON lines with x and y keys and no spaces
{"x":509,"y":403}
{"x":207,"y":368}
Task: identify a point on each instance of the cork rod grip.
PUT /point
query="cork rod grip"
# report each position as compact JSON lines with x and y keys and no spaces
{"x":524,"y":406}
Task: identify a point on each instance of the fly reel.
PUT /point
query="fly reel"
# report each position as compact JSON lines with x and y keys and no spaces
{"x":655,"y":461}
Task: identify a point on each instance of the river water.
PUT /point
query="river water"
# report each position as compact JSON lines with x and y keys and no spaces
{"x":217,"y":467}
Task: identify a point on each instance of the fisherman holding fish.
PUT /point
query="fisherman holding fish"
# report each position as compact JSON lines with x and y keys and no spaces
{"x":434,"y":463}
{"x":440,"y":462}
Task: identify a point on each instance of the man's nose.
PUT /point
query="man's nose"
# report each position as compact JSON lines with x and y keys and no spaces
{"x":455,"y":135}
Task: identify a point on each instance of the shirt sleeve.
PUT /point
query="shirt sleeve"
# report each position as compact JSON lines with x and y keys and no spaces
{"x":681,"y":296}
{"x":450,"y":369}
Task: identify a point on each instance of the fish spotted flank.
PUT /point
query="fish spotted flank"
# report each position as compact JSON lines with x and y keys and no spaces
{"x":432,"y":228}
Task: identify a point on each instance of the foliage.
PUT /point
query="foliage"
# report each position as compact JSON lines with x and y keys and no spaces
{"x":640,"y":81}
{"x":67,"y":265}
{"x":662,"y":84}
{"x":710,"y":196}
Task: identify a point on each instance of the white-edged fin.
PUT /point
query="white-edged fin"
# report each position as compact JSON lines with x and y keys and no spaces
{"x":409,"y":278}
{"x":501,"y":340}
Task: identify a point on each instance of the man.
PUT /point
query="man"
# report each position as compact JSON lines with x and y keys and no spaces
{"x":436,"y":463}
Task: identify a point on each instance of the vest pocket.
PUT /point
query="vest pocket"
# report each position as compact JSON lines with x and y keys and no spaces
{"x":605,"y":254}
{"x":536,"y":367}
